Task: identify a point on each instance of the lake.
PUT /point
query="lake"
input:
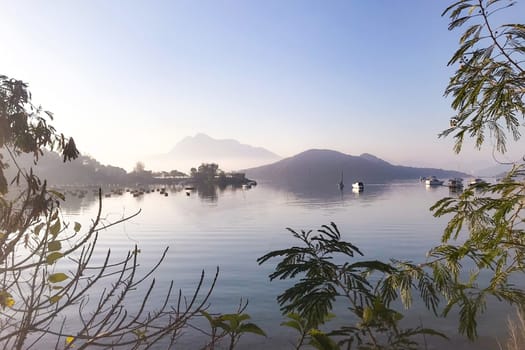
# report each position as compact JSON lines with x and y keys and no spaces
{"x":233,"y":227}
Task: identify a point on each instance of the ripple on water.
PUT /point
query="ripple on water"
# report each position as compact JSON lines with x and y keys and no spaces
{"x":236,"y":227}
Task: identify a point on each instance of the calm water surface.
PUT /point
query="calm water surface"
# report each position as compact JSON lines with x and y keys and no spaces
{"x":231,"y":228}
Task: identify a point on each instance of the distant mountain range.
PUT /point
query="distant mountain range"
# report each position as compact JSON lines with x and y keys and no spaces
{"x":325,"y":167}
{"x":201,"y":148}
{"x":310,"y":169}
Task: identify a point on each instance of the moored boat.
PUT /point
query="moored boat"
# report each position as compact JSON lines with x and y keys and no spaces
{"x":455,"y":183}
{"x":358,"y":186}
{"x":433,"y":181}
{"x":477,"y":182}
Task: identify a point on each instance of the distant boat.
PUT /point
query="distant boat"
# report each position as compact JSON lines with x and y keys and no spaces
{"x":433,"y":181}
{"x":358,"y":186}
{"x":455,"y":183}
{"x":477,"y":182}
{"x":188,"y":189}
{"x":341,"y":185}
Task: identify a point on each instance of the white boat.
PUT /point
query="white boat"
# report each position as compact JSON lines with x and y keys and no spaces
{"x":477,"y":181}
{"x":433,"y":181}
{"x":455,"y":183}
{"x":358,"y":186}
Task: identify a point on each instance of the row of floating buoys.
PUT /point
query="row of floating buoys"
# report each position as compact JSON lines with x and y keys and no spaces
{"x":76,"y":193}
{"x":135,"y":192}
{"x":139,"y":192}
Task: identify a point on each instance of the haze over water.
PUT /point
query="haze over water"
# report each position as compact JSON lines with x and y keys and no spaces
{"x":232,"y":228}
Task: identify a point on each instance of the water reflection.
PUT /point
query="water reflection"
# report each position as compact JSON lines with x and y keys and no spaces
{"x":80,"y":199}
{"x":210,"y":193}
{"x":385,"y":221}
{"x":329,"y":192}
{"x":433,"y":188}
{"x":207,"y":193}
{"x":77,"y":200}
{"x":455,"y":191}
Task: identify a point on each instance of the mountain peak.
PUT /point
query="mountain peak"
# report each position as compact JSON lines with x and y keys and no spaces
{"x":373,"y":158}
{"x":201,"y":135}
{"x":228,"y":153}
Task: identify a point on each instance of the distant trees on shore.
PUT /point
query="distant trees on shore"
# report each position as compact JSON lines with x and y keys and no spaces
{"x":211,"y":174}
{"x":86,"y":170}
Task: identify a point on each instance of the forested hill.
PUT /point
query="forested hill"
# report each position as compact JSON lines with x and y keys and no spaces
{"x":81,"y":171}
{"x":324,"y":167}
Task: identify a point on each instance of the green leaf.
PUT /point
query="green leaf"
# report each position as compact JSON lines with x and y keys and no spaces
{"x":57,"y":277}
{"x":321,"y":341}
{"x":234,"y":321}
{"x":472,"y":9}
{"x":397,"y":316}
{"x":251,"y":328}
{"x":140,"y":334}
{"x":37,"y":228}
{"x":55,"y":298}
{"x":235,"y":317}
{"x":294,"y":316}
{"x":58,"y":194}
{"x":54,"y":246}
{"x":368,"y":314}
{"x":55,"y":228}
{"x":51,"y":258}
{"x":77,"y":227}
{"x":207,"y":315}
{"x":214,"y":322}
{"x":292,"y":324}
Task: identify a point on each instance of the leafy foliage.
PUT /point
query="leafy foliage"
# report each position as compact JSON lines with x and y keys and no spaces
{"x":485,"y":231}
{"x":489,"y":84}
{"x":46,"y":268}
{"x":488,"y":224}
{"x":232,"y":326}
{"x":24,"y":127}
{"x":485,"y":234}
{"x":367,"y":287}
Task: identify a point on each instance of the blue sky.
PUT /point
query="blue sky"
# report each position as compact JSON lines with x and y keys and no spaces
{"x":129,"y":79}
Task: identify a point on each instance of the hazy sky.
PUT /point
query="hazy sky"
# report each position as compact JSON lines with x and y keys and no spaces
{"x":132,"y":78}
